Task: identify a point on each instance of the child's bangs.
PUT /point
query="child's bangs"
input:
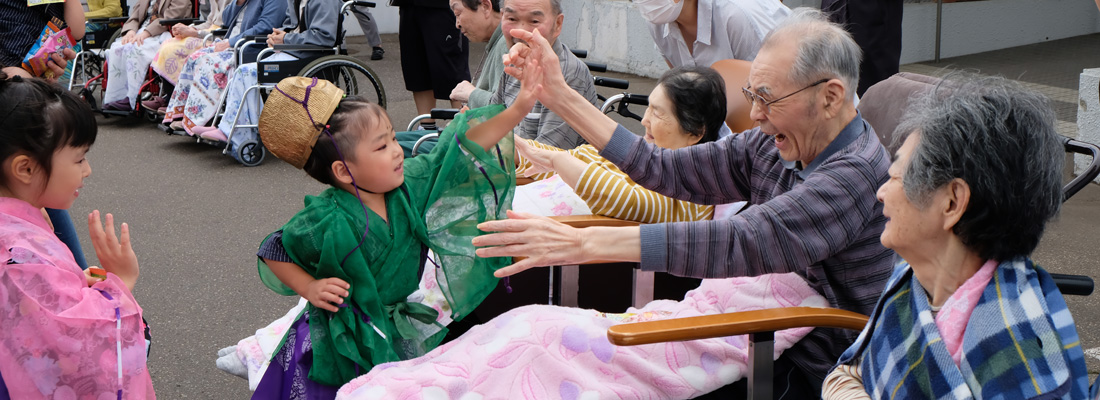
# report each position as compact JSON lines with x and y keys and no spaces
{"x":72,"y":121}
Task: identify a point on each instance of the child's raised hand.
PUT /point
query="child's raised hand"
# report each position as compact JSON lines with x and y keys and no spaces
{"x":327,"y":293}
{"x":115,"y":253}
{"x":530,"y":85}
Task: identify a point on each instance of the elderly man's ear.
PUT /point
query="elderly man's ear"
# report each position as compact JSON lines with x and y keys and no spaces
{"x":835,"y":96}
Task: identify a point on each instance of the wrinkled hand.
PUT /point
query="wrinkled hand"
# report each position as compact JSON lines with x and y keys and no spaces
{"x":541,"y":160}
{"x":542,"y":240}
{"x":276,"y":37}
{"x":129,"y":37}
{"x":140,"y":38}
{"x":184,"y":31}
{"x":327,"y":293}
{"x":116,"y":255}
{"x":462,"y":91}
{"x":533,"y":48}
{"x":221,"y":46}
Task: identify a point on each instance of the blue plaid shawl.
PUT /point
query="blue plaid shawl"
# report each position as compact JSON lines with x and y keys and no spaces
{"x":1020,"y":342}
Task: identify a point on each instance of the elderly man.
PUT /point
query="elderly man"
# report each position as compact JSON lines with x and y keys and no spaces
{"x":810,"y":171}
{"x":479,"y":20}
{"x":542,"y":124}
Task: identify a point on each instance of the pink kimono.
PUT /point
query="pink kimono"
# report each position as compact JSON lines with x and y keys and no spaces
{"x":61,"y":339}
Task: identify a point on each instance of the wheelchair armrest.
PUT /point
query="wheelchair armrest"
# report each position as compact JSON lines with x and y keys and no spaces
{"x":300,"y":47}
{"x":738,"y":323}
{"x":596,"y":67}
{"x":444,"y":113}
{"x":580,"y":53}
{"x":110,"y":20}
{"x":585,"y":221}
{"x":611,"y":82}
{"x":1077,"y":285}
{"x":255,"y":38}
{"x":219,"y":32}
{"x":634,"y":98}
{"x":1089,"y":174}
{"x":173,"y":21}
{"x":360,"y":3}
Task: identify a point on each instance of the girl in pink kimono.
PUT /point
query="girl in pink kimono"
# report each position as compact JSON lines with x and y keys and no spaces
{"x":65,"y":335}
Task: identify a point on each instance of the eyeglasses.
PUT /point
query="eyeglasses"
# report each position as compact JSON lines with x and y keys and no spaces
{"x":752,"y":97}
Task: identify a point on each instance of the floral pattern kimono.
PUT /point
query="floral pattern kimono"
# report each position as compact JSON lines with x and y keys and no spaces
{"x":60,"y":338}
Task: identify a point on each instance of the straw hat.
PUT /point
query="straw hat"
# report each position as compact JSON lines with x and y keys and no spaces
{"x":294,"y":116}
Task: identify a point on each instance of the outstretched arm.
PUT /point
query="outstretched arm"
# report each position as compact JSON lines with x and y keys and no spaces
{"x":488,"y":133}
{"x":571,"y":106}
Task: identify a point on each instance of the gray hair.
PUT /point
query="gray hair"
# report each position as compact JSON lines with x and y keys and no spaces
{"x":555,"y":6}
{"x":1000,"y":139}
{"x":825,"y":50}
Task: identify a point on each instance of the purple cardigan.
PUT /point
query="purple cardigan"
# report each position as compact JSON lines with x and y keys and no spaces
{"x":822,"y":221}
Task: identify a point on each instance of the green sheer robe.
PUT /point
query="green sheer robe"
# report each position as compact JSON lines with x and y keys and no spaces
{"x":445,"y":195}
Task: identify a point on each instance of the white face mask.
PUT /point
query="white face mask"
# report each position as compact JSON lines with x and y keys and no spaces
{"x":660,"y":11}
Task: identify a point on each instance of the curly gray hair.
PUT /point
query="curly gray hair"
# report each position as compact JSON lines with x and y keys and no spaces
{"x":1000,"y":139}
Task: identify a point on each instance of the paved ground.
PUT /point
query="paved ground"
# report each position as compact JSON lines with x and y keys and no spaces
{"x":197,"y":218}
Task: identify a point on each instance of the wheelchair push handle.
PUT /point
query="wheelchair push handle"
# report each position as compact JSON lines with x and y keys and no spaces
{"x":612,"y":83}
{"x":1090,"y":172}
{"x":444,"y":113}
{"x":579,"y":53}
{"x":596,"y":67}
{"x":1077,"y":285}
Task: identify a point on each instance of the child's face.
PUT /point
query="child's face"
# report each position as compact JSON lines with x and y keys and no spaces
{"x":379,"y":160}
{"x":69,"y":168}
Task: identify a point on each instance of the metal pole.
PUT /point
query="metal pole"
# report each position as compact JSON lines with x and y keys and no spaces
{"x":939,"y":21}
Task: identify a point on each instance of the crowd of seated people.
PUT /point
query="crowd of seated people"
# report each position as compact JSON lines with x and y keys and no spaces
{"x":932,"y":242}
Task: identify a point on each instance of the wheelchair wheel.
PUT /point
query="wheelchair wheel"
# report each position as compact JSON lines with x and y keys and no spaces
{"x":251,"y":153}
{"x":354,"y":77}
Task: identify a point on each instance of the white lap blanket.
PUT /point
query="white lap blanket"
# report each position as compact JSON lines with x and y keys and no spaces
{"x":548,"y":352}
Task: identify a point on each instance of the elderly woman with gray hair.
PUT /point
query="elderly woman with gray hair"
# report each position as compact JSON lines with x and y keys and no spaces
{"x":966,"y":313}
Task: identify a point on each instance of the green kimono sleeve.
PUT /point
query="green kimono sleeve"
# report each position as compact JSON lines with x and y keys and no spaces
{"x":457,"y":186}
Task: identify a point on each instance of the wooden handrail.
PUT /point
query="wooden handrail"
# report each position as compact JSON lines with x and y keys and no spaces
{"x":729,"y":324}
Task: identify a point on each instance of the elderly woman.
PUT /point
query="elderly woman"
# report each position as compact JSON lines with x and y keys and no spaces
{"x":206,"y":73}
{"x":129,"y":57}
{"x":311,"y":22}
{"x":967,"y":314}
{"x":687,"y":107}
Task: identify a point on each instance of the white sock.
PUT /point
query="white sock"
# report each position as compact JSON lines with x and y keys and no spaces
{"x":229,"y":362}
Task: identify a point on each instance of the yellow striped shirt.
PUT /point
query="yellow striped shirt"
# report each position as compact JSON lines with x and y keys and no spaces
{"x":610,"y":192}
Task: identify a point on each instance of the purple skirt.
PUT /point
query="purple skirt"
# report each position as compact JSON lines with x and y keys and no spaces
{"x":287,"y":376}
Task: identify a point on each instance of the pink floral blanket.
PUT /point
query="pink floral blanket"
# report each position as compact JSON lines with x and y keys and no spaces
{"x":548,"y":352}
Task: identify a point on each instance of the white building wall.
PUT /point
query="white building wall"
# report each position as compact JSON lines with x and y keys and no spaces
{"x":615,"y":32}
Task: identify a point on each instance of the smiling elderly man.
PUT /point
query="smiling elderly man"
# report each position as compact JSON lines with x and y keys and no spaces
{"x":810,"y":171}
{"x":542,"y":124}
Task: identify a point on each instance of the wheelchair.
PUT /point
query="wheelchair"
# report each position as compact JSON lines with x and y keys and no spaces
{"x":331,"y":63}
{"x":153,"y":85}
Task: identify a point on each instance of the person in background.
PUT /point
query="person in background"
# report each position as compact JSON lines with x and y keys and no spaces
{"x":370,"y":30}
{"x":702,"y":32}
{"x":876,"y":27}
{"x":541,"y":123}
{"x":479,"y":20}
{"x":435,"y":56}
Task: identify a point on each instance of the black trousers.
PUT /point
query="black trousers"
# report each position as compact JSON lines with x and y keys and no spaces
{"x":876,"y":27}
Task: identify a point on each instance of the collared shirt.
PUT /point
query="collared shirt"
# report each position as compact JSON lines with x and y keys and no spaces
{"x":726,"y":29}
{"x":21,"y":26}
{"x":822,"y":222}
{"x":541,"y":124}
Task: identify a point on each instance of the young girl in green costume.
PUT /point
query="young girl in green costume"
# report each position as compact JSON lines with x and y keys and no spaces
{"x":355,"y":251}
